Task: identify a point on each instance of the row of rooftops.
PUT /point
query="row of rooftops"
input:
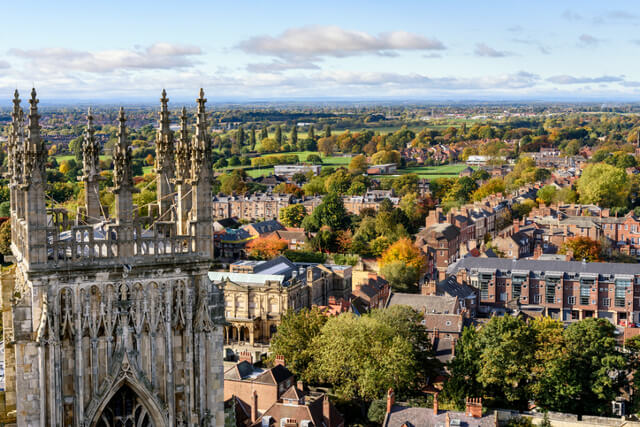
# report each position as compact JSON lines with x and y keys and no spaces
{"x":549,"y":267}
{"x":369,"y":196}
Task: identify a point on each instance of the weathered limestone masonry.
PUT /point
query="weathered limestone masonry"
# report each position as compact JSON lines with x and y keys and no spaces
{"x":111,"y":321}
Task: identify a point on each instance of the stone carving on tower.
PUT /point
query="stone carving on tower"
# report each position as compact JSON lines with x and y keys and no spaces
{"x":183,"y":174}
{"x":201,"y":177}
{"x":164,"y":165}
{"x":91,"y":173}
{"x":113,"y":322}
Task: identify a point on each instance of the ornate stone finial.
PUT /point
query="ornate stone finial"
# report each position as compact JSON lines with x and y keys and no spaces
{"x":35,"y":155}
{"x":164,"y":114}
{"x":164,"y":163}
{"x":33,"y":110}
{"x":90,"y":149}
{"x":16,"y":105}
{"x":201,"y":152}
{"x":91,"y":172}
{"x":122,"y":174}
{"x":183,"y":149}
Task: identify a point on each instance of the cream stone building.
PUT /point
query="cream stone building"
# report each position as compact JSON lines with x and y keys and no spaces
{"x":258,"y":293}
{"x":112,"y":321}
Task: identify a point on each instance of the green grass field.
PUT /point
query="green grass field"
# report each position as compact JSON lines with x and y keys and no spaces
{"x":62,"y":158}
{"x":430,"y":172}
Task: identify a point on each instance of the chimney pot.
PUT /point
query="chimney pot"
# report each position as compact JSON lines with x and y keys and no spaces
{"x":391,"y":400}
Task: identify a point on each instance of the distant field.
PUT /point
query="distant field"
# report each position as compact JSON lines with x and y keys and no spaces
{"x":253,"y":173}
{"x":430,"y":172}
{"x":65,"y":157}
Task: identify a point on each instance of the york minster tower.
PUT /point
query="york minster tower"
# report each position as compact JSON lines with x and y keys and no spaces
{"x":110,"y":319}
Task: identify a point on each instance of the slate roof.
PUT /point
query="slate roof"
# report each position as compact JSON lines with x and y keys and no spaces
{"x":424,"y":417}
{"x":503,"y":264}
{"x":451,"y":287}
{"x":241,"y":371}
{"x":275,"y":375}
{"x":425,"y":303}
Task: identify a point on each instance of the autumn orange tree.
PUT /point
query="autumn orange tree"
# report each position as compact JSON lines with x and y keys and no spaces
{"x":405,"y":251}
{"x":402,"y":264}
{"x":582,"y":248}
{"x":267,"y":247}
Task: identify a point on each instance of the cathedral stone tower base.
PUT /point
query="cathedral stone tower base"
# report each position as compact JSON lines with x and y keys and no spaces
{"x":108,"y":322}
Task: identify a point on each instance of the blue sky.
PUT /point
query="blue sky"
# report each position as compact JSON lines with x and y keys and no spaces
{"x":337,"y":49}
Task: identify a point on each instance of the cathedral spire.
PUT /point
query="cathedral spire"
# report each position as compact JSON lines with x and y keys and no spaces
{"x":164,"y":123}
{"x":16,"y":106}
{"x":183,"y":174}
{"x":35,"y":155}
{"x":201,"y":178}
{"x":122,"y":173}
{"x":91,"y":171}
{"x":183,"y":149}
{"x":164,"y":164}
{"x":201,"y":124}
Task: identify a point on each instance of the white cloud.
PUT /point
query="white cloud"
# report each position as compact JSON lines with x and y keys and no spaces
{"x":483,"y":50}
{"x":156,"y":56}
{"x":279,"y":66}
{"x":570,"y":15}
{"x":568,"y":80}
{"x":313,"y":42}
{"x":615,"y":17}
{"x":588,"y":40}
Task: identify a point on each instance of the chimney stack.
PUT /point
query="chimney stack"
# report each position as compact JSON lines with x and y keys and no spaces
{"x":435,"y":404}
{"x":245,"y":356}
{"x":447,"y":420}
{"x":326,"y":410}
{"x":391,"y":400}
{"x":279,"y":360}
{"x":474,"y":407}
{"x":254,"y":406}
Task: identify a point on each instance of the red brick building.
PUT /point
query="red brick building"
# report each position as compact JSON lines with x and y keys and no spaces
{"x":565,"y":290}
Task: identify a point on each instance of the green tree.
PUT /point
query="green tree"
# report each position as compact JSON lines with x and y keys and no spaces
{"x":278,"y":136}
{"x":358,"y":164}
{"x":401,"y":277}
{"x":311,"y":133}
{"x":240,"y":136}
{"x":252,"y":138}
{"x":294,"y":336}
{"x":597,"y":366}
{"x":507,"y":359}
{"x":5,"y":238}
{"x":292,"y":215}
{"x":264,"y":134}
{"x":464,"y":369}
{"x":294,"y":135}
{"x":5,"y":208}
{"x":327,"y":131}
{"x":330,"y":212}
{"x":405,"y":184}
{"x":232,"y":183}
{"x":604,"y":185}
{"x":547,"y":194}
{"x":314,"y":159}
{"x":362,"y":357}
{"x":338,"y":182}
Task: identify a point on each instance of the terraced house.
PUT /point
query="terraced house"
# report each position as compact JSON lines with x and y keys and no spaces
{"x":565,"y":290}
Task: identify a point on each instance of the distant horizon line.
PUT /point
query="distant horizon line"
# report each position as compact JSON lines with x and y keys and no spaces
{"x":147,"y":101}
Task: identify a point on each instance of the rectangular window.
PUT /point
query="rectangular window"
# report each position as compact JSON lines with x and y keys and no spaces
{"x":584,"y":294}
{"x":550,"y":289}
{"x":621,"y":287}
{"x":536,"y":299}
{"x":572,"y":300}
{"x":606,"y":302}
